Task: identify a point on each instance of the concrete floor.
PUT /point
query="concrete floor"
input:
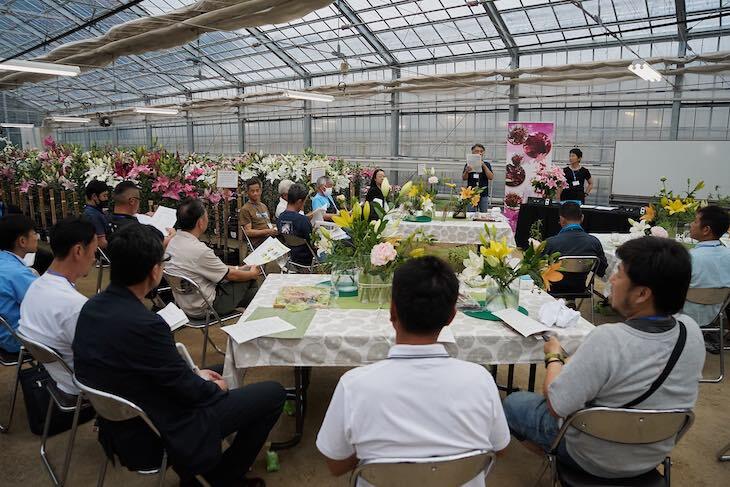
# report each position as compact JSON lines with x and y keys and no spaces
{"x":694,"y":458}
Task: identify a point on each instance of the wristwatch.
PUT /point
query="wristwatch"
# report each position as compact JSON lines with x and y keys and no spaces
{"x":554,"y":357}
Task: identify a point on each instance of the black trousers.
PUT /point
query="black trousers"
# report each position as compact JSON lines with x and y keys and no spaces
{"x":250,"y":412}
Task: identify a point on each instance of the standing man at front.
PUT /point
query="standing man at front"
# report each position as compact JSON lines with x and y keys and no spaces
{"x":479,"y":177}
{"x":254,"y":216}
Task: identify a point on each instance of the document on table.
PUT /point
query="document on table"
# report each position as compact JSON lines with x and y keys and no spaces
{"x":173,"y":316}
{"x":524,"y":325}
{"x":270,"y":250}
{"x":163,"y":219}
{"x":245,"y":331}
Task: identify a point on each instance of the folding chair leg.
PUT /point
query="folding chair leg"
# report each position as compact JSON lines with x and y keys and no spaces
{"x":593,"y":310}
{"x":721,"y":330}
{"x":6,"y":428}
{"x":667,"y":471}
{"x":71,"y":438}
{"x":205,"y":346}
{"x":163,"y":469}
{"x":724,"y":455}
{"x":102,"y":472}
{"x":44,"y":438}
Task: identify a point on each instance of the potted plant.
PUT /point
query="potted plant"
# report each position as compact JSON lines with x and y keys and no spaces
{"x":548,"y":180}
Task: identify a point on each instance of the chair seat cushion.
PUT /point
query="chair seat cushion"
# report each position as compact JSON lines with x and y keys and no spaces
{"x":570,"y":477}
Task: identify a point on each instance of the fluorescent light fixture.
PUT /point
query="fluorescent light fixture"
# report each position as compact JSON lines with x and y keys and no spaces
{"x":304,"y":95}
{"x":156,"y":111}
{"x":17,"y":125}
{"x":643,"y":70}
{"x":71,"y":119}
{"x":40,"y":68}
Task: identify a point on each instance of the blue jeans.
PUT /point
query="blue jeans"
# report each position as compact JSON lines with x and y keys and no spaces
{"x":529,"y":419}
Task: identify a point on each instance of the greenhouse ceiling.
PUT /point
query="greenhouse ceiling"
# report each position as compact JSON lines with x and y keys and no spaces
{"x":364,"y":34}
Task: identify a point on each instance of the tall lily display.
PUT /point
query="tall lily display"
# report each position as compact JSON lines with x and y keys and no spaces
{"x":671,"y":211}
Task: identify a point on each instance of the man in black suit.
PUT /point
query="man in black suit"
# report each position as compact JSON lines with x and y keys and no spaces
{"x":572,"y":240}
{"x":123,"y":348}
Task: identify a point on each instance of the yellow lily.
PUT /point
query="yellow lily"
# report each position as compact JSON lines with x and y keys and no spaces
{"x":676,"y":206}
{"x":467,"y":193}
{"x":343,"y":220}
{"x":413,"y":192}
{"x":356,"y":211}
{"x":366,"y":211}
{"x":649,"y":214}
{"x":450,"y":185}
{"x":551,"y":274}
{"x":475,"y":200}
{"x":491,"y":260}
{"x":418,"y":252}
{"x":405,"y":189}
{"x":498,"y":250}
{"x":664,"y":201}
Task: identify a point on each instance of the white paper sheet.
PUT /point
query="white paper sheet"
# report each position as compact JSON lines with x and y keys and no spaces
{"x":270,"y":250}
{"x":318,"y":172}
{"x":421,"y":168}
{"x":474,"y":160}
{"x":163,"y":219}
{"x":318,"y":214}
{"x":446,"y":335}
{"x":524,"y":325}
{"x":29,"y":259}
{"x":226,"y":179}
{"x":173,"y":316}
{"x":245,"y":331}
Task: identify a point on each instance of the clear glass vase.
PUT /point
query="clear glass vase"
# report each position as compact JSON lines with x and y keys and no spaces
{"x":499,"y":297}
{"x":373,"y":288}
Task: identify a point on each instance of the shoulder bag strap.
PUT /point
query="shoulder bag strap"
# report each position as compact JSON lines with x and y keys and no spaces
{"x":678,"y":348}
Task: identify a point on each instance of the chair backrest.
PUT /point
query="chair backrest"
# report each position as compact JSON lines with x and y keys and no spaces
{"x":631,"y":426}
{"x":102,"y":257}
{"x":446,"y":471}
{"x":181,"y":284}
{"x":709,"y":295}
{"x":579,"y":263}
{"x":112,"y":407}
{"x":293,"y":240}
{"x":41,"y":352}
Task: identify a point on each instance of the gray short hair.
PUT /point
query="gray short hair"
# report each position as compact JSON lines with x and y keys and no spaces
{"x":323,"y":180}
{"x":284,"y":186}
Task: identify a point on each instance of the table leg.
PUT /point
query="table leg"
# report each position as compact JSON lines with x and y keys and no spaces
{"x":531,"y":379}
{"x":299,"y":395}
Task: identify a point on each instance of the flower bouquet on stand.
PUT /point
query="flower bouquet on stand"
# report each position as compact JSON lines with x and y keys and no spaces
{"x":372,"y":252}
{"x":548,"y":180}
{"x":669,"y":211}
{"x":497,"y":275}
{"x":468,"y":195}
{"x":416,"y":200}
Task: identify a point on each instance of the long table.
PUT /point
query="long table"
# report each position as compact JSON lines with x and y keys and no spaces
{"x":594,"y":220}
{"x":457,"y":231}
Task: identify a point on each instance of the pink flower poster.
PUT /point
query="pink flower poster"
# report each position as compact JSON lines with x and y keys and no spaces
{"x":528,"y":144}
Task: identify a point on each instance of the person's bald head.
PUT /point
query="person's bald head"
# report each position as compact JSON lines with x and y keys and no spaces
{"x":126,"y":198}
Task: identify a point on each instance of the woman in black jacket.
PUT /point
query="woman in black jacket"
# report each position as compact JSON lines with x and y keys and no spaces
{"x":374,"y":192}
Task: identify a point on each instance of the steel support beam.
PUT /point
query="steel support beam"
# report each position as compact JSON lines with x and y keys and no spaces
{"x":501,"y":27}
{"x":241,"y":126}
{"x":190,"y":128}
{"x":365,"y":32}
{"x":395,"y":117}
{"x":272,"y":46}
{"x":514,"y":92}
{"x":681,"y":10}
{"x":307,"y":122}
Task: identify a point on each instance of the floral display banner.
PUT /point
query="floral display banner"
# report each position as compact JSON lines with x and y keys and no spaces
{"x":528,"y":145}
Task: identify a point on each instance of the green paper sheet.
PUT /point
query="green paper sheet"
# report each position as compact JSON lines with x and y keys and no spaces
{"x":299,"y":319}
{"x":354,"y":303}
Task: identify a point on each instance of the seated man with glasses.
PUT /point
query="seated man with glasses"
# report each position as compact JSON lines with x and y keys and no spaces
{"x":17,"y":238}
{"x":123,"y":348}
{"x":618,"y":365}
{"x":225,"y":287}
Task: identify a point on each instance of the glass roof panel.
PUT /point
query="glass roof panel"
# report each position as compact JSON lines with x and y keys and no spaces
{"x":517,"y":22}
{"x":698,"y":5}
{"x":543,"y":19}
{"x":630,"y":9}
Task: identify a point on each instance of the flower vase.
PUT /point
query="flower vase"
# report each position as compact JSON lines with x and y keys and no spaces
{"x":373,"y":288}
{"x":460,"y":214}
{"x":344,"y":280}
{"x":501,"y":297}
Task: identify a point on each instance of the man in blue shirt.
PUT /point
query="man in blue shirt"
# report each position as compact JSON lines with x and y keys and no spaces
{"x":572,"y":240}
{"x":710,"y":265}
{"x":17,"y":238}
{"x":323,"y":198}
{"x":291,"y":222}
{"x":97,"y":199}
{"x":479,"y":177}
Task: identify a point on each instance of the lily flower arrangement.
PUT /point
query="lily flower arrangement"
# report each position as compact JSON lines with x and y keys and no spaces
{"x":670,"y":210}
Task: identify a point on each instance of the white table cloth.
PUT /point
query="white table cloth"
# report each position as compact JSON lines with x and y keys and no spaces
{"x":454,"y":231}
{"x":354,"y":337}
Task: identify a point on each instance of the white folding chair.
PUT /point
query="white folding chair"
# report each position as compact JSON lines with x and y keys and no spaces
{"x":625,"y":427}
{"x":580,"y":264}
{"x":17,"y":361}
{"x":185,"y":286}
{"x":713,"y":296}
{"x":115,"y":408}
{"x":102,"y":262}
{"x":59,"y":399}
{"x":444,"y":471}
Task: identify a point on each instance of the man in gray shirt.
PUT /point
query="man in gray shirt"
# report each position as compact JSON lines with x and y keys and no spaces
{"x":618,"y":362}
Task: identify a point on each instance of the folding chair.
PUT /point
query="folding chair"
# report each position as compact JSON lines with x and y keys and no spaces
{"x":292,"y":241}
{"x":63,"y":401}
{"x":579,"y":264}
{"x":713,"y":296}
{"x":102,"y":262}
{"x":251,"y":248}
{"x":444,"y":471}
{"x":723,"y":454}
{"x":185,"y":286}
{"x":626,"y":427}
{"x":17,"y":361}
{"x":116,"y":408}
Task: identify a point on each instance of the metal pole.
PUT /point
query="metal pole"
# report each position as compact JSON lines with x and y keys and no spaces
{"x":190,"y":129}
{"x":514,"y":92}
{"x":307,"y":122}
{"x":241,"y":126}
{"x":395,"y":117}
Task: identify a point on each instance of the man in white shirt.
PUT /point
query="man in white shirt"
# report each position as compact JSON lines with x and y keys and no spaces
{"x":51,"y":307}
{"x":419,"y":402}
{"x":710,"y":266}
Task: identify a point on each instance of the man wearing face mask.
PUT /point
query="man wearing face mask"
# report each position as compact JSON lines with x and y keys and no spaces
{"x":323,"y":198}
{"x":97,"y":200}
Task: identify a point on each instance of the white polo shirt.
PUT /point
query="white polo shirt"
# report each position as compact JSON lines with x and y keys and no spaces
{"x":418,"y":403}
{"x":48,"y":314}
